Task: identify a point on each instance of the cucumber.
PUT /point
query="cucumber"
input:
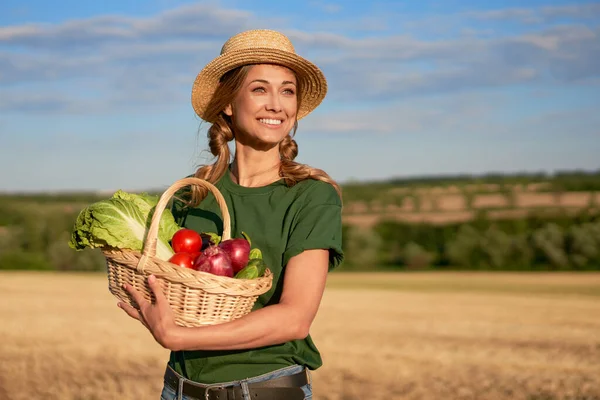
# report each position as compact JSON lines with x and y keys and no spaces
{"x":259,"y":264}
{"x":248,"y":272}
{"x":255,"y":253}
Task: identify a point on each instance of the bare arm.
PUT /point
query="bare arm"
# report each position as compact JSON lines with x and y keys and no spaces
{"x":291,"y":318}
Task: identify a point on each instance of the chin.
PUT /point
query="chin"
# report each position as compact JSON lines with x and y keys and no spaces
{"x":269,"y":142}
{"x":262,"y":138}
{"x":270,"y":137}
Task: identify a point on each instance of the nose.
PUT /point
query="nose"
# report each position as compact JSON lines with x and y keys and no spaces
{"x":274,"y":103}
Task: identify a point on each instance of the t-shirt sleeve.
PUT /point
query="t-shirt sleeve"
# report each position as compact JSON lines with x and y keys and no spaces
{"x":318,"y":225}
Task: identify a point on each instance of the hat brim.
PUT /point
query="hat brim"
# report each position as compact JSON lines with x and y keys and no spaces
{"x":313,"y":85}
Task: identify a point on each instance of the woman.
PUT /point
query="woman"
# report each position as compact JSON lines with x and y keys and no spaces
{"x":253,"y":94}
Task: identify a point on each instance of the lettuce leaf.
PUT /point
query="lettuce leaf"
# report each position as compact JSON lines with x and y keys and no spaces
{"x":122,"y":222}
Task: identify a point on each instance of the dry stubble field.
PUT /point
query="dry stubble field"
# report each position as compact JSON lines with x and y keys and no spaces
{"x":383,"y":336}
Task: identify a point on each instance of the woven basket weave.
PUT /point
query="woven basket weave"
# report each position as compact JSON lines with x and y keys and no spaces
{"x":197,"y":298}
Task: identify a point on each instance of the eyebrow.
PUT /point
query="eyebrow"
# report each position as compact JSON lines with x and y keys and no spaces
{"x":267,"y":82}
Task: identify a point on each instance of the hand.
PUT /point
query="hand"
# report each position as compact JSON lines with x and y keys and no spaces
{"x":157,"y":317}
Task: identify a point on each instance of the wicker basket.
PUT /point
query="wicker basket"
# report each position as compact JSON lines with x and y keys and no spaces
{"x":197,"y":298}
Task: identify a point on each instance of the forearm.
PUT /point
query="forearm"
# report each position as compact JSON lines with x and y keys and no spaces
{"x":271,"y":325}
{"x":287,"y":320}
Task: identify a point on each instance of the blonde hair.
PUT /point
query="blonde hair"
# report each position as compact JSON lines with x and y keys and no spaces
{"x":220,"y":134}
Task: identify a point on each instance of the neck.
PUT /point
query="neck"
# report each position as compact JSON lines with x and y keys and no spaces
{"x":254,"y":168}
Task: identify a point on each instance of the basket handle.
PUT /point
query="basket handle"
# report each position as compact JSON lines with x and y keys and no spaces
{"x":152,"y":236}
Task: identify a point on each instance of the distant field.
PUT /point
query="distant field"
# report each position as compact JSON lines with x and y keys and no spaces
{"x":436,"y":200}
{"x":447,"y":208}
{"x":567,"y":284}
{"x":382,"y":336}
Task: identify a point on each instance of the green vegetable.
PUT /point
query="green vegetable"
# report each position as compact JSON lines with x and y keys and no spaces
{"x":252,"y":270}
{"x":259,"y":264}
{"x":255,"y":254}
{"x":245,"y":235}
{"x":214,"y":238}
{"x":248,"y":272}
{"x":122,"y":222}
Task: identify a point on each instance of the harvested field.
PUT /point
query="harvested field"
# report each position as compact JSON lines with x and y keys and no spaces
{"x":448,"y":208}
{"x":382,"y":336}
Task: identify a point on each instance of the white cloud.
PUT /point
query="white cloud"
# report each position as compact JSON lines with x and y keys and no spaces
{"x":521,"y":14}
{"x":131,"y":62}
{"x":456,"y":112}
{"x":35,"y":103}
{"x":539,"y":15}
{"x":326,"y":7}
{"x":584,"y":10}
{"x":190,"y":21}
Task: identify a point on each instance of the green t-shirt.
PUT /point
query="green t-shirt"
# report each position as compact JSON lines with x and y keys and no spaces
{"x":282,"y":221}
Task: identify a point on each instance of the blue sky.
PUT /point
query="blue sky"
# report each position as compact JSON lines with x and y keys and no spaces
{"x":95,"y":95}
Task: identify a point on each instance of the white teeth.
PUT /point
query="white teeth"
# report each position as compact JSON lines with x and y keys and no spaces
{"x":270,"y":121}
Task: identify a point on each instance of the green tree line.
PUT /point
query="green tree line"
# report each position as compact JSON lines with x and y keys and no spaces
{"x":564,"y":242}
{"x":34,"y":235}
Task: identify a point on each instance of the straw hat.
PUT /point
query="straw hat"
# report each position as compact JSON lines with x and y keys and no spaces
{"x":260,"y":46}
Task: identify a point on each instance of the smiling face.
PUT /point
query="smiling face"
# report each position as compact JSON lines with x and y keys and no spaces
{"x":264,"y":110}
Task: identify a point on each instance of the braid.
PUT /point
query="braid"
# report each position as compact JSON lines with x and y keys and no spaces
{"x":219,"y":134}
{"x":288,"y":148}
{"x":293,"y":172}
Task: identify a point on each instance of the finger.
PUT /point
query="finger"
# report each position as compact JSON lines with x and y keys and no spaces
{"x":156,"y":289}
{"x":137,"y":296}
{"x":132,"y":312}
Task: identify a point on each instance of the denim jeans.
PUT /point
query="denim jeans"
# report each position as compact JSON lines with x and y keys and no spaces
{"x":170,"y":394}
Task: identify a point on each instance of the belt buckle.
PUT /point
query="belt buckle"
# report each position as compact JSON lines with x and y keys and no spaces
{"x":211,"y":387}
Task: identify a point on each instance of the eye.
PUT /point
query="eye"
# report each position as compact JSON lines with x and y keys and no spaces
{"x":259,"y":89}
{"x":289,"y":91}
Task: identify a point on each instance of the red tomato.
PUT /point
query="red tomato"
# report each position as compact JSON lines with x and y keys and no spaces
{"x":186,"y":241}
{"x":184,"y":260}
{"x":195,"y":255}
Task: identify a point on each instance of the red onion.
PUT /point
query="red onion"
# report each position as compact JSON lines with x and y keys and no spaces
{"x":215,"y":261}
{"x":238,"y":251}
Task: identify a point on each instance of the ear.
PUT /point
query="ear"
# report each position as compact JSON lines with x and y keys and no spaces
{"x":228,"y":110}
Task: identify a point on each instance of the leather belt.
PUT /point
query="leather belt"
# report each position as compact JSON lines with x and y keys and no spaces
{"x":285,"y":387}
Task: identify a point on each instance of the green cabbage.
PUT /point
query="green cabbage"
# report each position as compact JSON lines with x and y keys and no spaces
{"x":122,"y":222}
